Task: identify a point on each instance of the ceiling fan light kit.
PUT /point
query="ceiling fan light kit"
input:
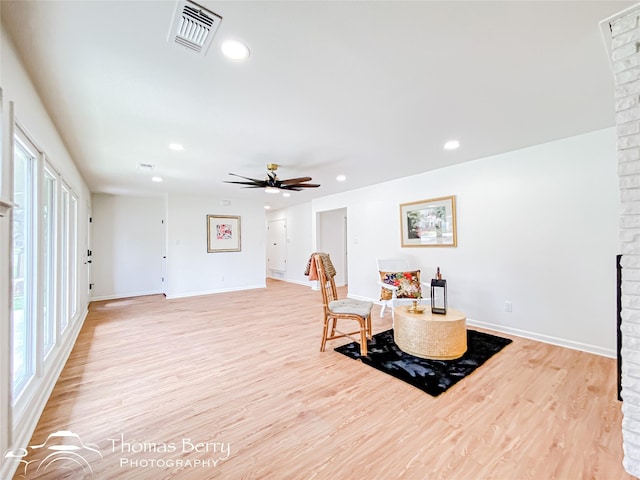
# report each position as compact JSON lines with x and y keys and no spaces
{"x":272,"y":184}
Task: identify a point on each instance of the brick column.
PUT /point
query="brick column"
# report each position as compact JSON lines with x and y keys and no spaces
{"x":625,"y":55}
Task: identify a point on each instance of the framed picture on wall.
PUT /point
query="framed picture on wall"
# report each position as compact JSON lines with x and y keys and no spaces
{"x":223,"y":233}
{"x":429,"y":223}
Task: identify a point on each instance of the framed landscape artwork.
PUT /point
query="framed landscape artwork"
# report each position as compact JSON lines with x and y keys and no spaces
{"x":223,"y":233}
{"x":429,"y":223}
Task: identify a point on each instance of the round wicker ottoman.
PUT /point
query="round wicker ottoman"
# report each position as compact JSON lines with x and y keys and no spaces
{"x":425,"y":335}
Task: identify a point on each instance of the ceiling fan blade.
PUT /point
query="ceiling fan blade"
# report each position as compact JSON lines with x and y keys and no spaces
{"x":252,"y":185}
{"x":247,"y":178}
{"x":258,"y":184}
{"x":306,"y":185}
{"x":298,"y":186}
{"x":295,"y":180}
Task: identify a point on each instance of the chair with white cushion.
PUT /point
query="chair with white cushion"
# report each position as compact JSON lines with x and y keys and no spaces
{"x":400,"y":285}
{"x":335,"y":309}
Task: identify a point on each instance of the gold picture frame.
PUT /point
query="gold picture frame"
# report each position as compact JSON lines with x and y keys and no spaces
{"x":223,"y":233}
{"x":429,"y":223}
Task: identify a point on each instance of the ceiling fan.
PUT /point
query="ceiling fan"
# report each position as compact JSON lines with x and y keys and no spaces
{"x":272,"y":184}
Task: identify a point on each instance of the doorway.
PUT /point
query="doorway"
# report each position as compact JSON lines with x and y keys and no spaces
{"x":277,"y":248}
{"x":332,"y":238}
{"x":89,"y":258}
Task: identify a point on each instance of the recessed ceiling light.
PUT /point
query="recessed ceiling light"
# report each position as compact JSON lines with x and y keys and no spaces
{"x":286,"y":194}
{"x":176,"y":146}
{"x":267,"y":207}
{"x":234,"y":50}
{"x":156,"y":179}
{"x":451,"y":145}
{"x":341,"y":178}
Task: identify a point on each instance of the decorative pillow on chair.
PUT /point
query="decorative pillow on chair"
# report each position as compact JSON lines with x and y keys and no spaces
{"x":408,"y":284}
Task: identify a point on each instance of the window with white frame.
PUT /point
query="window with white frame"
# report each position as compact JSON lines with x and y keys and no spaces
{"x":68,"y":257}
{"x":73,"y":256}
{"x":65,"y":242}
{"x":49,"y":234}
{"x":44,"y":266}
{"x":23,"y":299}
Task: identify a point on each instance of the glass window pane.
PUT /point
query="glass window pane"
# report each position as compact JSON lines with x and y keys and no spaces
{"x":64,"y":260}
{"x":48,"y":238}
{"x":21,"y":268}
{"x":73,"y":256}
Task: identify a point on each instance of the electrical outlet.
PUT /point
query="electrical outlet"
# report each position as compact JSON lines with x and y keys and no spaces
{"x":508,"y":307}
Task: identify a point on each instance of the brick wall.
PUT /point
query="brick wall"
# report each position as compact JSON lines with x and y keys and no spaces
{"x":625,"y":55}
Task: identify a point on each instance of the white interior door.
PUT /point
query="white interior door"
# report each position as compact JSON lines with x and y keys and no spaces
{"x":277,"y":247}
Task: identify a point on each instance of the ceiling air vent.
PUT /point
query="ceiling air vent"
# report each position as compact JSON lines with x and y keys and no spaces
{"x":193,"y":27}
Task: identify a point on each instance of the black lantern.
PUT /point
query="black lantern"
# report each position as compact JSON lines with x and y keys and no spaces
{"x":439,"y":296}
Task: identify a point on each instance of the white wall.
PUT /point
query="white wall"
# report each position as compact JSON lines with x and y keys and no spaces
{"x":193,"y":271}
{"x":128,"y":241}
{"x":536,"y":227}
{"x":18,"y":90}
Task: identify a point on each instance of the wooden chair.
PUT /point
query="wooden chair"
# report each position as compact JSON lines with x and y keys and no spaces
{"x":341,"y":309}
{"x":391,"y":298}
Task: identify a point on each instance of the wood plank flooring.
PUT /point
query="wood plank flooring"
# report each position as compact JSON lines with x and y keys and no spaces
{"x":233,"y":386}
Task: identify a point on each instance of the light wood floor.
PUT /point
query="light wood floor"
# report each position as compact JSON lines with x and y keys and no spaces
{"x":244,"y":370}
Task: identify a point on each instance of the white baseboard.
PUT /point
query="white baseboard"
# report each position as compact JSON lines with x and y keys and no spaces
{"x":125,"y":295}
{"x":560,"y":342}
{"x":366,"y":299}
{"x":221,"y":290}
{"x":304,"y":283}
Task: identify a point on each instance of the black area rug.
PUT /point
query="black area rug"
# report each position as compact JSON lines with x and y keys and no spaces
{"x":431,"y":376}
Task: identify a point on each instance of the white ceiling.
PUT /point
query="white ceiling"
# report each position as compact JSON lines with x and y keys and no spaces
{"x":368,"y":89}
